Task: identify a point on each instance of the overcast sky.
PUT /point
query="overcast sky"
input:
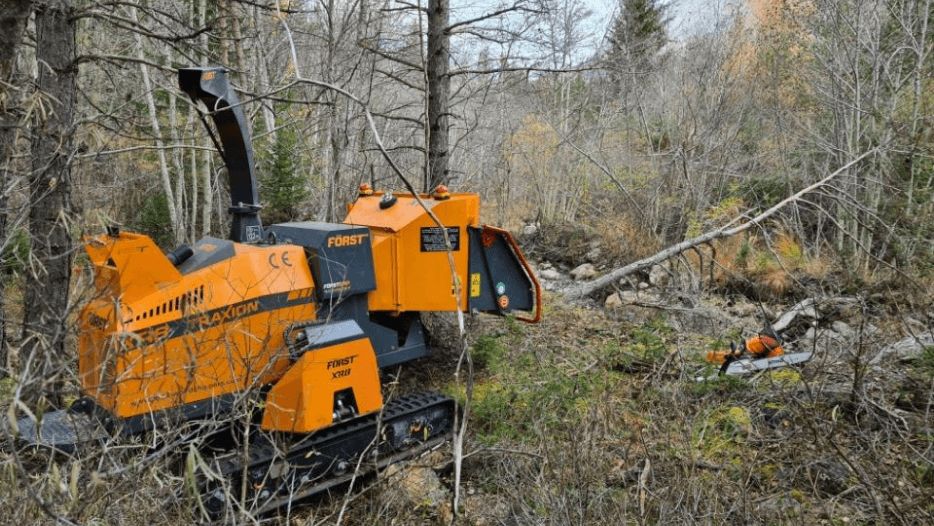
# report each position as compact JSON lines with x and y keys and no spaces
{"x":688,"y":17}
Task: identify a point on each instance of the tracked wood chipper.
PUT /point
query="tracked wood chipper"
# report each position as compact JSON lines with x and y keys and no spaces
{"x":303,"y":317}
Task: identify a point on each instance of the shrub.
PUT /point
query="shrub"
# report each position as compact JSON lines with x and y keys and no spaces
{"x":16,"y":253}
{"x":153,"y":219}
{"x":285,"y":187}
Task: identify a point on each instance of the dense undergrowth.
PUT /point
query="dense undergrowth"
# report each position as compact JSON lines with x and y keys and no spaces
{"x":588,"y":416}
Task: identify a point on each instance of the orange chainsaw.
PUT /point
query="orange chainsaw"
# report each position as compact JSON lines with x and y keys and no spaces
{"x":761,"y":352}
{"x":765,"y":344}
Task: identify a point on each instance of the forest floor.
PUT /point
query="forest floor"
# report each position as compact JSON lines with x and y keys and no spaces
{"x":595,"y":416}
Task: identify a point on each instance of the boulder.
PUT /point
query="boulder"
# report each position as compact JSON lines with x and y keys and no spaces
{"x":906,"y":349}
{"x":584,"y":272}
{"x":613,"y":301}
{"x":418,"y":487}
{"x":843,"y":329}
{"x":549,"y":274}
{"x":529,"y":230}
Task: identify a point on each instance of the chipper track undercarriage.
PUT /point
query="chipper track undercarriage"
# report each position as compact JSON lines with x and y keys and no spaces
{"x":270,"y":477}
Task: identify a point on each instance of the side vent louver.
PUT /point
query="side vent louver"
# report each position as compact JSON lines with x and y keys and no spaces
{"x":191,"y":298}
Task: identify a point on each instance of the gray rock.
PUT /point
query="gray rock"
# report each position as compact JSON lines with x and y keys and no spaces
{"x":844,"y":330}
{"x":613,"y":300}
{"x":659,"y":276}
{"x":418,"y":486}
{"x":549,"y":274}
{"x":811,"y":334}
{"x":529,"y":230}
{"x":643,"y":285}
{"x":584,"y":272}
{"x":628,"y":297}
{"x":907,"y":348}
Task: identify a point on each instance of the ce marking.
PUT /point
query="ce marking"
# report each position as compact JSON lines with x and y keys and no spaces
{"x":283,"y":257}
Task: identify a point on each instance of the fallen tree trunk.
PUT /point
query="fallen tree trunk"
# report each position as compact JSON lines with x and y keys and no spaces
{"x":724,"y":231}
{"x":811,"y":308}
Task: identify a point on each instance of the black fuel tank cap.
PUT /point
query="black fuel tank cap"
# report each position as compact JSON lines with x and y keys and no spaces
{"x":387,"y":200}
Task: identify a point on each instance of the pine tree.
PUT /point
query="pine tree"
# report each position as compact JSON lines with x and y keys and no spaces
{"x":285,"y":187}
{"x":638,"y":35}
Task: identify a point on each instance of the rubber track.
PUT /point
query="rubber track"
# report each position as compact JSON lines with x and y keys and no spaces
{"x":404,"y":411}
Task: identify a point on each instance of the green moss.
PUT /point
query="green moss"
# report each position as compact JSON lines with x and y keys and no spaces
{"x":722,"y":434}
{"x":7,"y":388}
{"x":784,"y":377}
{"x":924,"y":474}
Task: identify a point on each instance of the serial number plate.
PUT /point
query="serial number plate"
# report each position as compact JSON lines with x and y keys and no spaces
{"x":432,"y":239}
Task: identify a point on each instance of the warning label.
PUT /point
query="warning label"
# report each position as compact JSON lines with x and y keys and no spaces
{"x":475,"y":285}
{"x":432,"y":239}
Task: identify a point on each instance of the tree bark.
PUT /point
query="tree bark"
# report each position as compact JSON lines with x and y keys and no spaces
{"x":439,"y":89}
{"x":14,"y":15}
{"x":50,"y":209}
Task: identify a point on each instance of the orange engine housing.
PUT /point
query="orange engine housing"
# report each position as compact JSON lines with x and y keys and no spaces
{"x":154,"y":338}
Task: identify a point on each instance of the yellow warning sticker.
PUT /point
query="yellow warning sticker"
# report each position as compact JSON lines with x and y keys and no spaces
{"x":475,"y":285}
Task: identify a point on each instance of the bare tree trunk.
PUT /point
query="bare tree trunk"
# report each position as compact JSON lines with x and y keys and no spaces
{"x":13,"y":17}
{"x":261,"y":67}
{"x":47,"y":280}
{"x":177,"y":230}
{"x":439,"y":90}
{"x":333,"y":126}
{"x":207,"y":189}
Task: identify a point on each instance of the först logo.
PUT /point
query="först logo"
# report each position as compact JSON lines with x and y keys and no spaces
{"x":341,"y":362}
{"x":348,"y":240}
